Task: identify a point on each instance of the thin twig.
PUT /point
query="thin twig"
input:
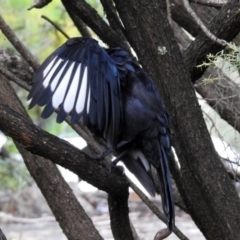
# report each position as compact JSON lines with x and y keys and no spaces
{"x":169,"y":13}
{"x":10,"y":35}
{"x":13,"y":78}
{"x":155,"y":209}
{"x":202,"y":26}
{"x":56,"y":26}
{"x":210,"y":3}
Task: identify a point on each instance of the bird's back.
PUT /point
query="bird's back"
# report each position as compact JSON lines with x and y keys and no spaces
{"x":145,"y":125}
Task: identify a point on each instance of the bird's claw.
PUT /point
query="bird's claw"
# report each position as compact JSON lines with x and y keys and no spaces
{"x":103,"y":154}
{"x":113,"y":165}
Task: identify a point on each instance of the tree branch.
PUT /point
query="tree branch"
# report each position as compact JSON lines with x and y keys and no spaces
{"x":210,"y":3}
{"x":56,"y":191}
{"x":113,"y":18}
{"x":202,"y":26}
{"x":60,"y":152}
{"x":80,"y":25}
{"x":148,"y":30}
{"x":17,"y":44}
{"x":225,"y":26}
{"x":95,"y":22}
{"x":55,"y":26}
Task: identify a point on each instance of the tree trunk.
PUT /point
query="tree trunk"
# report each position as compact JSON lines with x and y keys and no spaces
{"x":207,"y":190}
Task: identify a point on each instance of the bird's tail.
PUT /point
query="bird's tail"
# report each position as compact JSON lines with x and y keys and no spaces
{"x":140,"y":169}
{"x":154,"y":179}
{"x":166,"y":188}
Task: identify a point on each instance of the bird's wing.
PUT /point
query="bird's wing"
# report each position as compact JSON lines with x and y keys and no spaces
{"x":82,"y":80}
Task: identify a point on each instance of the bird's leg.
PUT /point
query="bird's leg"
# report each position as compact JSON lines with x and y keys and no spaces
{"x":110,"y":150}
{"x":115,"y":161}
{"x":103,"y":154}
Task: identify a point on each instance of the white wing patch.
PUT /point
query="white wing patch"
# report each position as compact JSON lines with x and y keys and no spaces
{"x":56,"y":79}
{"x":50,"y":73}
{"x":71,"y":95}
{"x":88,"y":102}
{"x":59,"y":93}
{"x":82,"y":94}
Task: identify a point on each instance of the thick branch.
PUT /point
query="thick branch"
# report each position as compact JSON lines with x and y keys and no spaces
{"x":199,"y":22}
{"x":80,"y":25}
{"x":95,"y":22}
{"x":118,"y":208}
{"x":113,"y":18}
{"x":207,"y":187}
{"x":18,"y":45}
{"x":223,"y":95}
{"x":60,"y":152}
{"x":225,"y":26}
{"x":66,"y":208}
{"x":183,"y":18}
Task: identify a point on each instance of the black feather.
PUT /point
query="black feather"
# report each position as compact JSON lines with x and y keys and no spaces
{"x":118,"y":101}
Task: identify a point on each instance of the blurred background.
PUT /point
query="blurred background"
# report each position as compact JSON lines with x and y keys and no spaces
{"x":24,"y":214}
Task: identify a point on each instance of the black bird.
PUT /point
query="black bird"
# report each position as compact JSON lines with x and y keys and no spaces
{"x":117,"y":101}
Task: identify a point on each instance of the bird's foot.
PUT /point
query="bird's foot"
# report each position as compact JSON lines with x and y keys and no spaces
{"x":103,"y":154}
{"x":112,"y":165}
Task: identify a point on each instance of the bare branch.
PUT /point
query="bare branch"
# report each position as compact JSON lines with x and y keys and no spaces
{"x":225,"y":25}
{"x":210,"y":3}
{"x":54,"y":188}
{"x":13,"y":78}
{"x":46,"y":145}
{"x":10,"y":35}
{"x":169,"y":13}
{"x":95,"y":22}
{"x":202,"y":26}
{"x":113,"y":18}
{"x":155,"y":209}
{"x":56,"y":26}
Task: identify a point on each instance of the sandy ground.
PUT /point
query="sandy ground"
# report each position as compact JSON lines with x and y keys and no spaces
{"x":33,"y":220}
{"x":146,"y":228}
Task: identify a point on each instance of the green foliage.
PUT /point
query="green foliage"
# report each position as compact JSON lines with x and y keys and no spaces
{"x":13,"y":175}
{"x":36,"y":33}
{"x":13,"y":172}
{"x":231,"y":55}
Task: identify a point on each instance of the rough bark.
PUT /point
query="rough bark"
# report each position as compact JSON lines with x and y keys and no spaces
{"x":96,"y":23}
{"x":66,"y":208}
{"x":183,"y":18}
{"x":225,"y":26}
{"x":119,"y":225}
{"x":208,"y":192}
